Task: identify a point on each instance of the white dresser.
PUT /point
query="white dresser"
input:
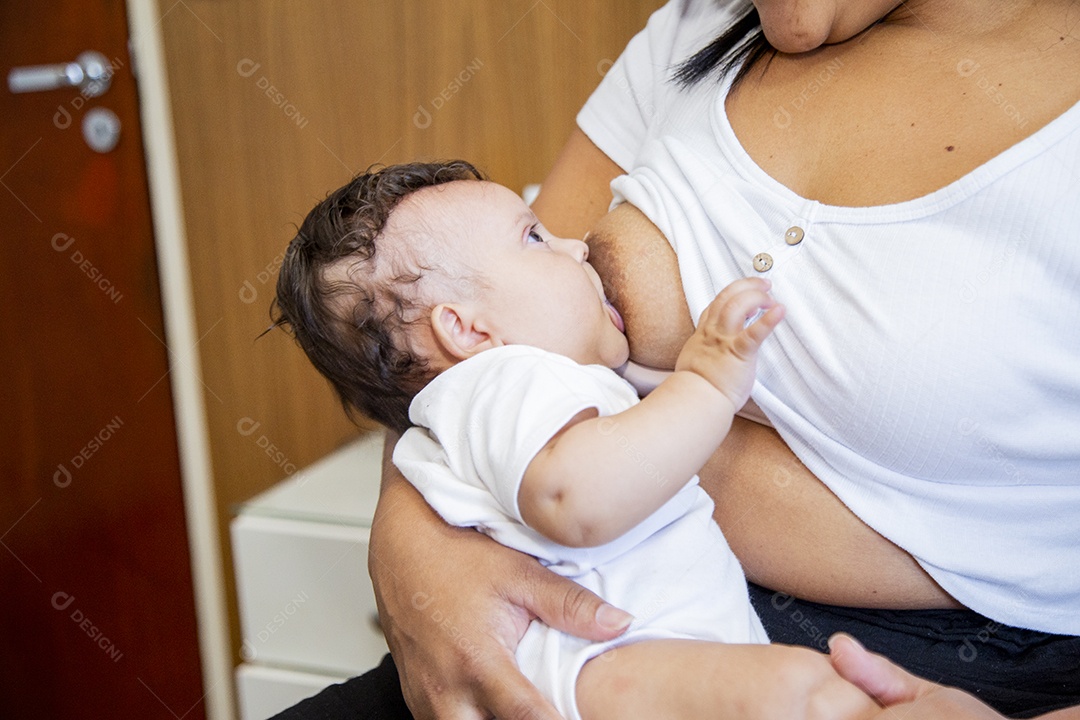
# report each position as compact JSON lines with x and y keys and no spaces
{"x":307,"y":610}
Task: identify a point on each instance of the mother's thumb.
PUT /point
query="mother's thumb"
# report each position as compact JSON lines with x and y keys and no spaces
{"x":566,"y":606}
{"x":873,"y":674}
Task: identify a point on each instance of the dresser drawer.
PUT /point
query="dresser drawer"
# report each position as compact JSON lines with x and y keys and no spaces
{"x":266,"y":691}
{"x":305,"y":597}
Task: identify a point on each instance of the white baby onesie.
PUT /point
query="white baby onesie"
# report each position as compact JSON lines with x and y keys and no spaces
{"x":481,"y":423}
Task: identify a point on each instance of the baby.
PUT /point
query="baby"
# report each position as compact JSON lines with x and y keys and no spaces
{"x":436,"y":303}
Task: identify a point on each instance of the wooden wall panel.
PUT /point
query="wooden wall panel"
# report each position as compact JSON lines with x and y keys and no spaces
{"x":276,"y":103}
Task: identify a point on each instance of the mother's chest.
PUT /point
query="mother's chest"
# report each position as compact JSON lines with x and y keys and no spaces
{"x":853,"y":130}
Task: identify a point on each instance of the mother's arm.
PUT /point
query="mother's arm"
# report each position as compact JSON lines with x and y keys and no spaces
{"x":453,"y":604}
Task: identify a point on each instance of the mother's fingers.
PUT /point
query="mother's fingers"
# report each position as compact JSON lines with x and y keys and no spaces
{"x":873,"y":674}
{"x":567,"y":606}
{"x":488,"y":684}
{"x":508,"y":695}
{"x":901,"y":693}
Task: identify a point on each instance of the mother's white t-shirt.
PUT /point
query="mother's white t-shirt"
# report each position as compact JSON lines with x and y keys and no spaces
{"x":928,"y":370}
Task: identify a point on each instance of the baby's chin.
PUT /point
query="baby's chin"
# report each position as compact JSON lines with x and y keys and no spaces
{"x":644,"y":379}
{"x":621,"y":360}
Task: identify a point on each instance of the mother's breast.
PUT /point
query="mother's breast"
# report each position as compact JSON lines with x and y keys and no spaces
{"x":641,"y":278}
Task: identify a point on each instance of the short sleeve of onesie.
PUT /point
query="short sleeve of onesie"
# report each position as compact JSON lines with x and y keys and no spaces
{"x":483,"y":421}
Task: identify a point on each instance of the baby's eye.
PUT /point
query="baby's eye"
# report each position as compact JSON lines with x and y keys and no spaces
{"x":534,"y":236}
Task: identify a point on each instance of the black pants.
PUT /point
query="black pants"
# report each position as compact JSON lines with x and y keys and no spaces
{"x":1020,"y":673}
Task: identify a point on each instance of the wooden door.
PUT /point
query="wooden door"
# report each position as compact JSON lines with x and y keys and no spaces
{"x":98,"y":611}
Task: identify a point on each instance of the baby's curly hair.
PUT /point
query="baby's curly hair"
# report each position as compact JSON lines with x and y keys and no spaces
{"x":353,"y":334}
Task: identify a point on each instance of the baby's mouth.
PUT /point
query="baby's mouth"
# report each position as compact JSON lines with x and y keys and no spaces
{"x":616,"y":318}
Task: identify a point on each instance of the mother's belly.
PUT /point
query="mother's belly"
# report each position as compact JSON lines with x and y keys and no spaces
{"x":793,"y":534}
{"x":790,"y":532}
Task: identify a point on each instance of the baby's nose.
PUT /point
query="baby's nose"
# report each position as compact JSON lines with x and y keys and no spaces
{"x":574,"y":248}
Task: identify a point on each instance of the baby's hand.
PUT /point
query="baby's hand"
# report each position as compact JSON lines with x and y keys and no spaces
{"x":721,"y":350}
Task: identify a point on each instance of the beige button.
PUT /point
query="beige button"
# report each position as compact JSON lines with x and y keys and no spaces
{"x":762,"y":262}
{"x":794,"y":235}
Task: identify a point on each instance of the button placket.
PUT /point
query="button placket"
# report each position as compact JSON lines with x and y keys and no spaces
{"x":763,"y":262}
{"x":776,"y":255}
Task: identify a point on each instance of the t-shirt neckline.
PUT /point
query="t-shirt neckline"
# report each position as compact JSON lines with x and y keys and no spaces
{"x":929,"y":204}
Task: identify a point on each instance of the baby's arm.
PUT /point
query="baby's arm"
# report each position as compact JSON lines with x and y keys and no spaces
{"x":691,"y":679}
{"x":600,"y":476}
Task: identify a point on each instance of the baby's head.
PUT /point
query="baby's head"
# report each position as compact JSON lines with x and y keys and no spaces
{"x":407,"y":270}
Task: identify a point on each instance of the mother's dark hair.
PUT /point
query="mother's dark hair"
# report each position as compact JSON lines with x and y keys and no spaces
{"x":741,"y":46}
{"x":743,"y":42}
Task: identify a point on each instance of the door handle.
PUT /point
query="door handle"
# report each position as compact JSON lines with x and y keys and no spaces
{"x":91,"y":73}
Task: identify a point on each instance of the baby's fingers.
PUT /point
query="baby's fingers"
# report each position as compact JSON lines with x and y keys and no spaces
{"x":735,"y":289}
{"x":761,"y":328}
{"x":731,"y":316}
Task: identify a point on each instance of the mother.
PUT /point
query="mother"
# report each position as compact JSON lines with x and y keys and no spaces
{"x":907,"y":175}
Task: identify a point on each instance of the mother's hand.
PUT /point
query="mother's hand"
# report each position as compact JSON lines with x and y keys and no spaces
{"x":899,"y":690}
{"x":454,"y":605}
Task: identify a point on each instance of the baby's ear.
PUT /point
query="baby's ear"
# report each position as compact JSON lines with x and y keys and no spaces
{"x":458,"y":331}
